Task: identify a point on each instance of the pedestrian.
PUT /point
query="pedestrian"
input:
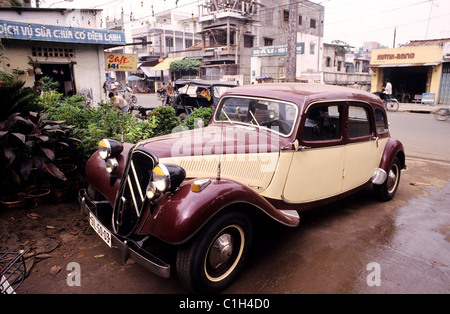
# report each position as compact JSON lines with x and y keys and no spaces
{"x":356,"y":85}
{"x":127,"y":94}
{"x":169,"y":92}
{"x":118,"y":102}
{"x":387,"y":90}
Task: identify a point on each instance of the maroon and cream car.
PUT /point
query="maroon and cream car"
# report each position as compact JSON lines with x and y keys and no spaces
{"x":190,"y":200}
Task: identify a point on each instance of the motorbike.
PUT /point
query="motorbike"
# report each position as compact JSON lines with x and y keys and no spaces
{"x":442,"y":114}
{"x":162,"y":94}
{"x":142,"y":111}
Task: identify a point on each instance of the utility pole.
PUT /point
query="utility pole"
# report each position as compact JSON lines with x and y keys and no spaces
{"x":291,"y":62}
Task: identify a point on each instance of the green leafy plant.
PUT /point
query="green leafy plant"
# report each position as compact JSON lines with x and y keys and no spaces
{"x":15,"y":98}
{"x":29,"y":142}
{"x":204,"y":113}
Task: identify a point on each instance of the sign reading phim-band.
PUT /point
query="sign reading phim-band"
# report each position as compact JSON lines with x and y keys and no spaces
{"x":40,"y":32}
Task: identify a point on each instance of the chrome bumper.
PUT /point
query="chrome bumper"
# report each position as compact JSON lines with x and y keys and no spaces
{"x":129,"y":248}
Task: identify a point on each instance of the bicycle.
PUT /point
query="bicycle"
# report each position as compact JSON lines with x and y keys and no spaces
{"x":391,"y":104}
{"x":442,"y":114}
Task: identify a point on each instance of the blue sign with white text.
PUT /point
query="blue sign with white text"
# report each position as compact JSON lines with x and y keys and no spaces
{"x":40,"y":32}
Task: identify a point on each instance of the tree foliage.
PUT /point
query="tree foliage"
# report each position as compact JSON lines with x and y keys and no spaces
{"x":185,"y":65}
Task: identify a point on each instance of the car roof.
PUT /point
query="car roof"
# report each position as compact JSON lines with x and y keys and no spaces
{"x":204,"y":83}
{"x":304,"y":93}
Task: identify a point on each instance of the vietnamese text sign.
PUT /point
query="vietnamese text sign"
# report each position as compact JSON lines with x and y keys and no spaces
{"x":120,"y":62}
{"x":40,"y":32}
{"x":280,"y":50}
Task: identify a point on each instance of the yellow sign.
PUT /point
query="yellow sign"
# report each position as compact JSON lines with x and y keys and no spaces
{"x":120,"y":62}
{"x":407,"y":55}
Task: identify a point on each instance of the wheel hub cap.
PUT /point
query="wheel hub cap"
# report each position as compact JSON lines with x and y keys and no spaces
{"x":221,"y":250}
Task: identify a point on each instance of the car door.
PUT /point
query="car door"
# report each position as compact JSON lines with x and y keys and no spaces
{"x":316,"y":168}
{"x":363,"y":149}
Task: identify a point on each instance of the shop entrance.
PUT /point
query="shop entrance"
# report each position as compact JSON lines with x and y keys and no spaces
{"x":407,"y":81}
{"x":61,"y":73}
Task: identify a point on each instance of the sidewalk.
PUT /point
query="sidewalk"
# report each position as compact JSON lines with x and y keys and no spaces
{"x":420,"y":108}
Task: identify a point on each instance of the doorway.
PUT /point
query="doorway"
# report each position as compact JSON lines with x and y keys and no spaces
{"x":407,"y":81}
{"x":61,"y":73}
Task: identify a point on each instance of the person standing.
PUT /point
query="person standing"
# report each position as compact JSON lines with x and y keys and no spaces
{"x":169,"y":93}
{"x":388,"y":90}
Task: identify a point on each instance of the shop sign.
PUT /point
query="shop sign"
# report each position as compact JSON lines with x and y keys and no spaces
{"x":120,"y":62}
{"x":407,"y":55}
{"x":280,"y":50}
{"x":41,"y":32}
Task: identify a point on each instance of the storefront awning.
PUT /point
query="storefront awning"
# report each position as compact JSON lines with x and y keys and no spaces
{"x":165,"y":65}
{"x":404,"y":65}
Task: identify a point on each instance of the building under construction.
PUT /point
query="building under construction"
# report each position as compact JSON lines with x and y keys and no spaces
{"x":246,"y":39}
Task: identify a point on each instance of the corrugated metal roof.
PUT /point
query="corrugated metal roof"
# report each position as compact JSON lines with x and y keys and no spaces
{"x":428,"y":42}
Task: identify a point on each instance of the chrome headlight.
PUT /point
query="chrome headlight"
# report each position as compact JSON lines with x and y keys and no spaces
{"x":167,"y":177}
{"x":111,"y":165}
{"x":109,"y":148}
{"x":151,"y":192}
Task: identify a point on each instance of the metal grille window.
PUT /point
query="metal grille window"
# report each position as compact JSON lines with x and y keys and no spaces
{"x":52,"y":52}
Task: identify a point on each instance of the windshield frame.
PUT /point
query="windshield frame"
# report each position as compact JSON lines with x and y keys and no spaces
{"x":257,"y":125}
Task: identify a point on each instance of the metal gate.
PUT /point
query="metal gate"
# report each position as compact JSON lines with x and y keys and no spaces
{"x":444,"y":89}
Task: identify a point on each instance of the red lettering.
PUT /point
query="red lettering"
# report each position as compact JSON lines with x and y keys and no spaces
{"x":119,"y":59}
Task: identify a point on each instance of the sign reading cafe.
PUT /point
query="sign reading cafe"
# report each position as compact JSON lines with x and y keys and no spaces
{"x":40,"y":32}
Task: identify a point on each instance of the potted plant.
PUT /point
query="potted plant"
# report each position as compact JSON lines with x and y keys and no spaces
{"x":28,"y":149}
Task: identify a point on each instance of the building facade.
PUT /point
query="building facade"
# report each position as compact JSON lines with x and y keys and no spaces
{"x":64,"y":44}
{"x":421,"y":67}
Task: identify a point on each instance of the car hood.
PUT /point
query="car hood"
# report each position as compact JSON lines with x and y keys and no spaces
{"x":215,"y":140}
{"x":244,"y":154}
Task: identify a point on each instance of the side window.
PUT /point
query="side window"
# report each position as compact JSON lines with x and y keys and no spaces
{"x":323,"y":123}
{"x":381,"y":122}
{"x":358,"y":122}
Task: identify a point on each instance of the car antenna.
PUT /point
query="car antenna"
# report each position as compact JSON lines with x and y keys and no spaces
{"x":219,"y":166}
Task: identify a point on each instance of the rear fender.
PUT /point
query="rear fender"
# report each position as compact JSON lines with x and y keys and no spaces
{"x":393,"y":148}
{"x":179,"y":216}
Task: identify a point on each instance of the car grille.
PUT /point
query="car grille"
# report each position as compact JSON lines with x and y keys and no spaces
{"x":131,"y":200}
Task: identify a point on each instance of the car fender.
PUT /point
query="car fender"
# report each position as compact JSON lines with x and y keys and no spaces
{"x":178,"y":216}
{"x":392,"y":149}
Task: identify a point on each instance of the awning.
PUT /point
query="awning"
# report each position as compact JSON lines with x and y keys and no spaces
{"x":165,"y":65}
{"x":403,"y":65}
{"x":134,"y":78}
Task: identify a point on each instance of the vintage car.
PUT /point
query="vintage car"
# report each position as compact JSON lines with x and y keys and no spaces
{"x":190,"y":200}
{"x":193,"y":94}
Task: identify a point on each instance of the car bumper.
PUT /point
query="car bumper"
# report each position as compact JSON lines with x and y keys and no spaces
{"x":129,"y":248}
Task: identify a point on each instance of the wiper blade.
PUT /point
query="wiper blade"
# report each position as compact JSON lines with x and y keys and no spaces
{"x":228,"y":118}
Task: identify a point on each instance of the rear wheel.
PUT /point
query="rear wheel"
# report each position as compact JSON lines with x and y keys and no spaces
{"x":387,"y":190}
{"x":212,"y":260}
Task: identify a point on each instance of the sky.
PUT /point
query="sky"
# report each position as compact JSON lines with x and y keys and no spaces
{"x":387,"y":22}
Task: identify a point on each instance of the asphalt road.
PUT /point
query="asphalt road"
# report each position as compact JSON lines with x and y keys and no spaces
{"x":422,"y":135}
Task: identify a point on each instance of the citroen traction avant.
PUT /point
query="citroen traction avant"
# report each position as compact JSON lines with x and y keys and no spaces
{"x":190,"y":200}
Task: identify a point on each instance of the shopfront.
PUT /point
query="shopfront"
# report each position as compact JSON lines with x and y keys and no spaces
{"x":66,"y":45}
{"x":412,"y":71}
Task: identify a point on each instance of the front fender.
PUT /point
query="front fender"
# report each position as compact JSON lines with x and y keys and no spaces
{"x":393,"y":148}
{"x":180,"y":215}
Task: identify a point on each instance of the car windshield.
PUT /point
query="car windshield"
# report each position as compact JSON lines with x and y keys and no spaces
{"x":277,"y":116}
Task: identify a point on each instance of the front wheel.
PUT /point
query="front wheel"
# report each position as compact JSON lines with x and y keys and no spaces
{"x":212,"y":260}
{"x":442,"y":114}
{"x":387,"y":190}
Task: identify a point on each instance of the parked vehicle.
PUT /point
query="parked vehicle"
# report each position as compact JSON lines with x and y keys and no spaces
{"x":442,"y":114}
{"x":193,"y":94}
{"x":270,"y":152}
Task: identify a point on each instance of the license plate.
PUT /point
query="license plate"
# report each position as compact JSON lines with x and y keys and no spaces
{"x":100,"y":229}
